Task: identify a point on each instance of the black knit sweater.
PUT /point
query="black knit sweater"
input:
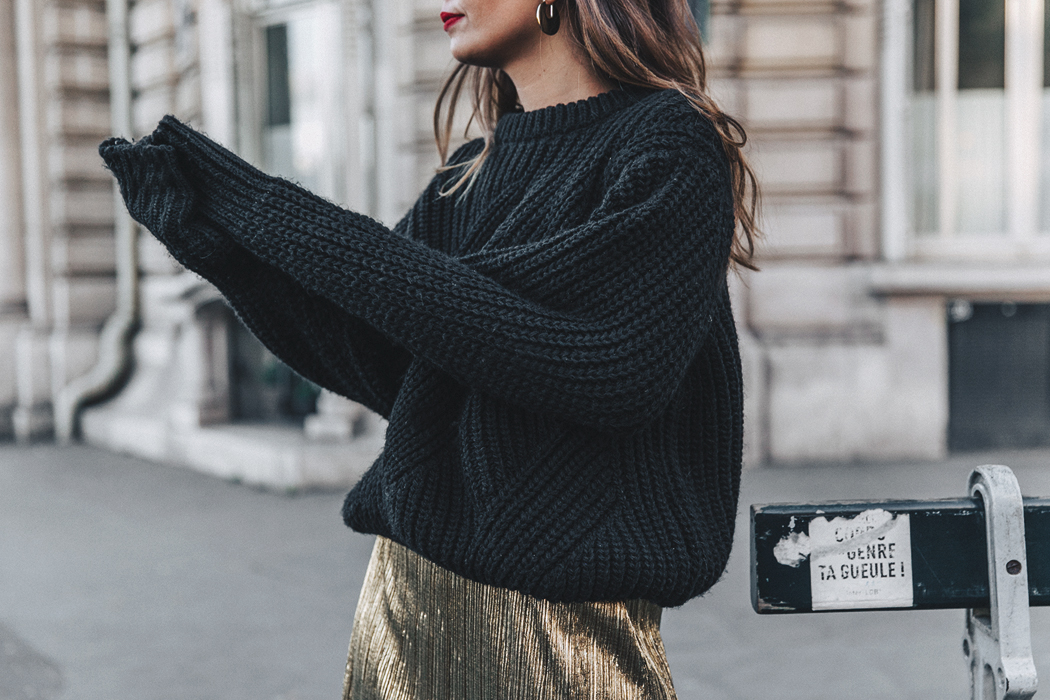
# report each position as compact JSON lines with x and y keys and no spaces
{"x":554,"y":349}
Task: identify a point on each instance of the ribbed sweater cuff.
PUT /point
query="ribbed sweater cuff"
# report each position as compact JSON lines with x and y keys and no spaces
{"x":228,"y":188}
{"x":159,"y":196}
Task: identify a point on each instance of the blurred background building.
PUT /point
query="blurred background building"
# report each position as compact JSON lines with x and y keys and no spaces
{"x":903,"y":147}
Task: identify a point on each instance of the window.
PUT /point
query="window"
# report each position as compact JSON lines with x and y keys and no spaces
{"x":978,"y":137}
{"x":702,"y":13}
{"x":293,"y":126}
{"x":299,"y":138}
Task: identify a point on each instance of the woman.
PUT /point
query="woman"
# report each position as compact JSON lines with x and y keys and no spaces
{"x":547,"y":331}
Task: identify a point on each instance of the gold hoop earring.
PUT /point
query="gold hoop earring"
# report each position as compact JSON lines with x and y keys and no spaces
{"x":549,"y":21}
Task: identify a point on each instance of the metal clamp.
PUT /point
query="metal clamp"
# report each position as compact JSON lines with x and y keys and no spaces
{"x":998,"y":641}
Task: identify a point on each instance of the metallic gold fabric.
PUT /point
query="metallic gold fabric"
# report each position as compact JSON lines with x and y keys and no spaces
{"x":423,"y":633}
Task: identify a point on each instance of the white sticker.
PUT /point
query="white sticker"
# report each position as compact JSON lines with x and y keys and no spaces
{"x":861,"y":562}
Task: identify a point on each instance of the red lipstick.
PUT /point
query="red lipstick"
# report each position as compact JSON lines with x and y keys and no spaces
{"x":449,"y":18}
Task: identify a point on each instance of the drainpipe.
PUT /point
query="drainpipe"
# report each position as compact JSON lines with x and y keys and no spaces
{"x":114,"y":361}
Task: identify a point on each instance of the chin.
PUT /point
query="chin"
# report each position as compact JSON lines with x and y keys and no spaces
{"x":473,"y":56}
{"x":485,"y":49}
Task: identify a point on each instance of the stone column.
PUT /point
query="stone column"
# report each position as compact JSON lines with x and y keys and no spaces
{"x":12,"y":253}
{"x":12,"y":262}
{"x":32,"y":415}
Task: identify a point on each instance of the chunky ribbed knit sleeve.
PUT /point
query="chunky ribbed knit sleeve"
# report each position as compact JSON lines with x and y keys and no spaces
{"x":315,"y":337}
{"x":642,"y":272}
{"x":308,"y":332}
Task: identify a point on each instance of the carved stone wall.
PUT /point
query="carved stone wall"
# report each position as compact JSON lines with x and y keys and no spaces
{"x":202,"y":61}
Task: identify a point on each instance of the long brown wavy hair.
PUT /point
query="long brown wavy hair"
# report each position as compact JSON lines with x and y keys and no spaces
{"x":647,"y":43}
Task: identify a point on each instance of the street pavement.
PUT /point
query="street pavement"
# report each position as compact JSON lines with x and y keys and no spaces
{"x":126,"y":580}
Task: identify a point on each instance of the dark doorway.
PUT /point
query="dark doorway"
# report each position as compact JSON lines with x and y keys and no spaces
{"x":998,"y":375}
{"x":264,"y":389}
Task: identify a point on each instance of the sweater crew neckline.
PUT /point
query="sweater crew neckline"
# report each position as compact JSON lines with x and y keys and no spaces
{"x":562,"y":118}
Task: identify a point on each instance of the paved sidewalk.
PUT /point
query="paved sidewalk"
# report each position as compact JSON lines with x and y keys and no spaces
{"x":123,"y":580}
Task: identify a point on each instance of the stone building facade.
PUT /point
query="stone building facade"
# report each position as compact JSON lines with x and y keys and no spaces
{"x":838,"y":369}
{"x":845,"y":332}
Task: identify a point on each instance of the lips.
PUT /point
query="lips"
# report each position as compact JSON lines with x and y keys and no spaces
{"x":450,"y":18}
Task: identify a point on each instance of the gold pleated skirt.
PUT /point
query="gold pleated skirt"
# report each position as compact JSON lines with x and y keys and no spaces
{"x":422,"y":632}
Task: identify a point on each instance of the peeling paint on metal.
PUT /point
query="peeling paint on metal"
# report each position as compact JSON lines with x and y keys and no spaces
{"x":764,"y":606}
{"x":792,"y":549}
